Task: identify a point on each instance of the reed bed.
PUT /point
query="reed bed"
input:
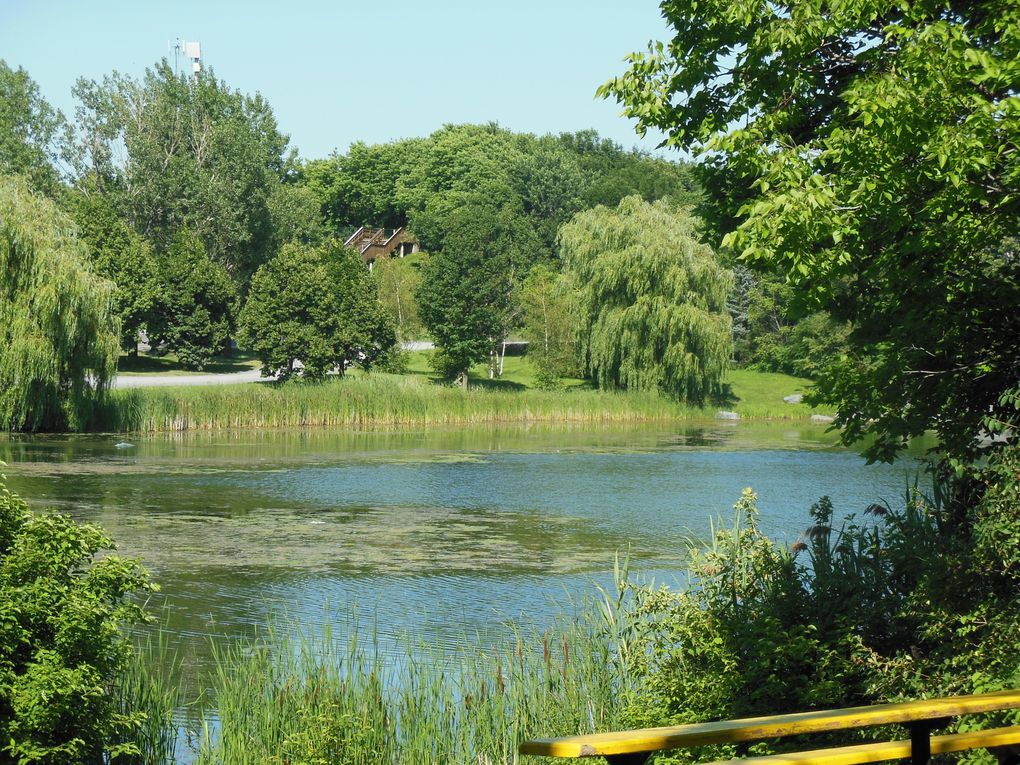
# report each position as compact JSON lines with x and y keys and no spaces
{"x":314,"y":699}
{"x":382,"y":400}
{"x":366,"y":401}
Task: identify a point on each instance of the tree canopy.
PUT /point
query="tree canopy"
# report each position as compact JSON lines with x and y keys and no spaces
{"x":34,"y":136}
{"x":125,"y":258}
{"x":317,"y":306}
{"x":468,"y":296}
{"x":198,"y":155}
{"x":194,"y":314}
{"x":58,"y":330}
{"x":652,"y":299}
{"x":870,"y":151}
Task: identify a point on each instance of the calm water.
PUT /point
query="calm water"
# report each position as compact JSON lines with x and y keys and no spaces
{"x":437,"y":534}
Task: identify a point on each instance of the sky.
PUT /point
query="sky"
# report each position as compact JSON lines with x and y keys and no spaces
{"x":372,"y":70}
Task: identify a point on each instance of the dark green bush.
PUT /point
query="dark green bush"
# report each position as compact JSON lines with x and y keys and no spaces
{"x":915,"y":602}
{"x":62,"y":611}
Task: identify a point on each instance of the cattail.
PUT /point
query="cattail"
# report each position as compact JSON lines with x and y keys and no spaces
{"x":817,"y":532}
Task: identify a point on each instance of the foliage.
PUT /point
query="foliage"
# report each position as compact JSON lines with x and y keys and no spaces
{"x":614,"y":173}
{"x":468,"y":296}
{"x":33,"y":135}
{"x":317,"y":306}
{"x":881,"y":142}
{"x":123,"y":257}
{"x":550,"y":325}
{"x":397,"y":281}
{"x":855,"y":612}
{"x":195,"y":312}
{"x":61,"y":645}
{"x":420,"y":182}
{"x":359,"y":188}
{"x":198,"y":155}
{"x":773,"y":342}
{"x":58,"y":331}
{"x":652,"y":300}
{"x":295,"y":215}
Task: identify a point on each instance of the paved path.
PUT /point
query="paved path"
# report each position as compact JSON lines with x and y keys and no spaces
{"x":162,"y":381}
{"x":226,"y":378}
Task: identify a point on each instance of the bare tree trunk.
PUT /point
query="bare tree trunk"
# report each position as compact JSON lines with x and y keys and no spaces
{"x":502,"y":358}
{"x":464,"y":379}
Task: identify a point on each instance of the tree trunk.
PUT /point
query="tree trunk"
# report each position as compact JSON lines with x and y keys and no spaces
{"x":464,"y":379}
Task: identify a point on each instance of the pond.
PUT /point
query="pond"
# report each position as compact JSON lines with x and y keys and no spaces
{"x":442,"y":534}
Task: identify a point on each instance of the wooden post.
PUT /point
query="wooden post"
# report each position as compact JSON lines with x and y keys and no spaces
{"x":637,"y":758}
{"x":920,"y":739}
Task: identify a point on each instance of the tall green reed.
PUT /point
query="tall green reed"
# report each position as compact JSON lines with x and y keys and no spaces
{"x":306,"y":699}
{"x":367,"y":401}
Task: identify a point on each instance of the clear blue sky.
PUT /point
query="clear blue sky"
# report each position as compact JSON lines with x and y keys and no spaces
{"x":337,"y":72}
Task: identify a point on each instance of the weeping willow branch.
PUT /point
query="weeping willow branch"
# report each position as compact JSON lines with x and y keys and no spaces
{"x":58,"y":330}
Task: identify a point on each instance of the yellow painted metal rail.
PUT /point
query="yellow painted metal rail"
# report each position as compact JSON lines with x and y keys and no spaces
{"x":634,"y":746}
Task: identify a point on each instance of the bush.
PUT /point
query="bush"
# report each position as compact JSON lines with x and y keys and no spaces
{"x":915,"y":602}
{"x":61,"y":643}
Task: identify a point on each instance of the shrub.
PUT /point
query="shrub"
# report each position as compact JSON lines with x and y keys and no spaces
{"x":914,"y":602}
{"x":61,"y":642}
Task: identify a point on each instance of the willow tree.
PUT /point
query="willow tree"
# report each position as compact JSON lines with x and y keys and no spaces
{"x":58,"y":330}
{"x":652,"y":299}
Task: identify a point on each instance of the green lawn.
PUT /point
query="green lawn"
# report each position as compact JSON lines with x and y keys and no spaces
{"x":747,"y":391}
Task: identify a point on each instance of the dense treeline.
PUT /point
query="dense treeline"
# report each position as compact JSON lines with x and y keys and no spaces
{"x":183,"y":191}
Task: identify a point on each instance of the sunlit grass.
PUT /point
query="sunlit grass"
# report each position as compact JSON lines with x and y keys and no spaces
{"x":376,"y":399}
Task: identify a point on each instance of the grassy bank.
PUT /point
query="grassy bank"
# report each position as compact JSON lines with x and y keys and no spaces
{"x":383,"y":400}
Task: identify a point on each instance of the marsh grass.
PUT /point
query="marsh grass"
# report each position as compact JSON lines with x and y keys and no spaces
{"x":149,"y":690}
{"x":364,"y":401}
{"x":384,"y":400}
{"x":315,"y":699}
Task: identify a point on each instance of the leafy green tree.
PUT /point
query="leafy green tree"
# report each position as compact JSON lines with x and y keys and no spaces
{"x":58,"y":329}
{"x":550,"y":319}
{"x":123,"y":257}
{"x":63,"y":643}
{"x":461,"y":165}
{"x":34,"y":136}
{"x":195,"y":313}
{"x":360,"y":187}
{"x":871,"y":155}
{"x":198,"y":155}
{"x":397,"y":280}
{"x":771,"y":341}
{"x":296,"y":216}
{"x":317,"y":306}
{"x":652,"y":299}
{"x":468,"y":296}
